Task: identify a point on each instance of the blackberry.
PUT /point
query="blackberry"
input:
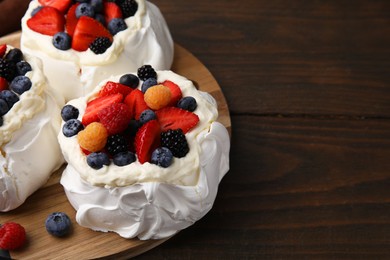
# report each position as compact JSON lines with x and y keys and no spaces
{"x":176,"y":141}
{"x":146,"y":72}
{"x":7,"y":70}
{"x":116,"y":144}
{"x":100,"y":45}
{"x":129,"y":8}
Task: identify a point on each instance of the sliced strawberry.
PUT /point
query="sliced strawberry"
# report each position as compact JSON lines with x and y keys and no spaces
{"x":111,"y":11}
{"x":86,"y":31}
{"x":115,"y":117}
{"x":3,"y":49}
{"x":113,"y":88}
{"x":60,"y":5}
{"x":147,"y":140}
{"x":135,"y":101}
{"x":94,"y":106}
{"x":47,"y":21}
{"x":175,"y":118}
{"x":71,"y":19}
{"x":176,"y":94}
{"x":3,"y":84}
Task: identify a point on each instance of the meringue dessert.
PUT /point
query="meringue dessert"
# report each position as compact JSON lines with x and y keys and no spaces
{"x":145,"y":154}
{"x":29,"y":125}
{"x":81,"y":43}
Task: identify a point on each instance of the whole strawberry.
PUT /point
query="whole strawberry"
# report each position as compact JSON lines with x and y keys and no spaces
{"x":12,"y":236}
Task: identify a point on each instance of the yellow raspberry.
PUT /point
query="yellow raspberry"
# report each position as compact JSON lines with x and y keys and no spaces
{"x":157,"y":97}
{"x":93,"y":138}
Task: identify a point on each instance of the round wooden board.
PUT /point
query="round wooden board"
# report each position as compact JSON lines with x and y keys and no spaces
{"x":84,"y":243}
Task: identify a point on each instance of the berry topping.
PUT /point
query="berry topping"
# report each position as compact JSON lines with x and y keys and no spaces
{"x":174,"y":118}
{"x":36,"y":10}
{"x":124,"y":158}
{"x":147,"y":140}
{"x":150,"y":82}
{"x":97,"y":5}
{"x":133,"y":127}
{"x":116,"y":144}
{"x":69,"y":112}
{"x":100,"y":45}
{"x":157,"y":97}
{"x":146,"y":116}
{"x":20,"y":84}
{"x":58,"y":224}
{"x":135,"y":101}
{"x":85,"y":9}
{"x":60,"y":5}
{"x":129,"y":8}
{"x":94,"y":106}
{"x":3,"y":107}
{"x":162,"y":157}
{"x":130,"y":80}
{"x":48,"y":21}
{"x":98,"y":160}
{"x":10,"y":97}
{"x":3,"y":84}
{"x":72,"y":127}
{"x":14,"y":55}
{"x":71,"y":19}
{"x":115,"y":117}
{"x":176,"y":141}
{"x":12,"y":236}
{"x":116,"y":25}
{"x":7,"y":70}
{"x":111,"y":11}
{"x":3,"y":49}
{"x":93,"y":138}
{"x":114,"y":88}
{"x":22,"y":67}
{"x":145,"y":72}
{"x":86,"y":31}
{"x":175,"y":91}
{"x":187,"y":103}
{"x":62,"y":41}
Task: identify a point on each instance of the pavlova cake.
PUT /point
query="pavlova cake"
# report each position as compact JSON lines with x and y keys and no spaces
{"x":145,"y":154}
{"x":29,"y":123}
{"x":84,"y":42}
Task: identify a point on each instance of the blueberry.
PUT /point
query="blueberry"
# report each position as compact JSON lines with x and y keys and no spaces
{"x":130,"y":80}
{"x":97,"y":160}
{"x":82,"y":1}
{"x":62,"y":41}
{"x":58,"y":224}
{"x":97,"y":5}
{"x":20,"y":84}
{"x":116,"y":25}
{"x":146,"y":116}
{"x":3,"y":107}
{"x":85,"y":9}
{"x":10,"y":97}
{"x":100,"y":18}
{"x":22,"y":67}
{"x":150,"y":82}
{"x":162,"y":157}
{"x":72,"y":127}
{"x":187,"y":103}
{"x":15,"y":55}
{"x":124,"y":158}
{"x":69,"y":112}
{"x":36,"y":10}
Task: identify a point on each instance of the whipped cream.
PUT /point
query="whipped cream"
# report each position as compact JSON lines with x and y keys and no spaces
{"x":147,"y":40}
{"x":146,"y":200}
{"x":29,"y":146}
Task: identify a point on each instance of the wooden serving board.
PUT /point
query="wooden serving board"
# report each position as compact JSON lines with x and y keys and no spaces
{"x":84,"y":243}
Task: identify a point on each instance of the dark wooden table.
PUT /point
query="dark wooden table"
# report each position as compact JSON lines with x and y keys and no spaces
{"x":308,"y":87}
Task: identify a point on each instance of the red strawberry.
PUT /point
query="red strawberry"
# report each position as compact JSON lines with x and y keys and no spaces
{"x":3,"y":49}
{"x":176,"y":94}
{"x":94,"y":106}
{"x":3,"y":84}
{"x":115,"y":117}
{"x":86,"y":31}
{"x":12,"y":236}
{"x":47,"y":21}
{"x":147,"y":140}
{"x":71,"y":19}
{"x":111,"y":11}
{"x":174,"y":118}
{"x":135,"y":101}
{"x":113,"y":88}
{"x":61,"y":5}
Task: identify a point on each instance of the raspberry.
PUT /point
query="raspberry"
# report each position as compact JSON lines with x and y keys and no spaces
{"x":115,"y":117}
{"x":93,"y":138}
{"x":157,"y":97}
{"x":176,"y":141}
{"x":100,"y":45}
{"x":146,"y":72}
{"x":12,"y":236}
{"x":116,"y":144}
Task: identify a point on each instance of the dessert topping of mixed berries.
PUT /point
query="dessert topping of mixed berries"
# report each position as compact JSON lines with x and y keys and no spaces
{"x":13,"y":81}
{"x":81,"y":25}
{"x":122,"y":124}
